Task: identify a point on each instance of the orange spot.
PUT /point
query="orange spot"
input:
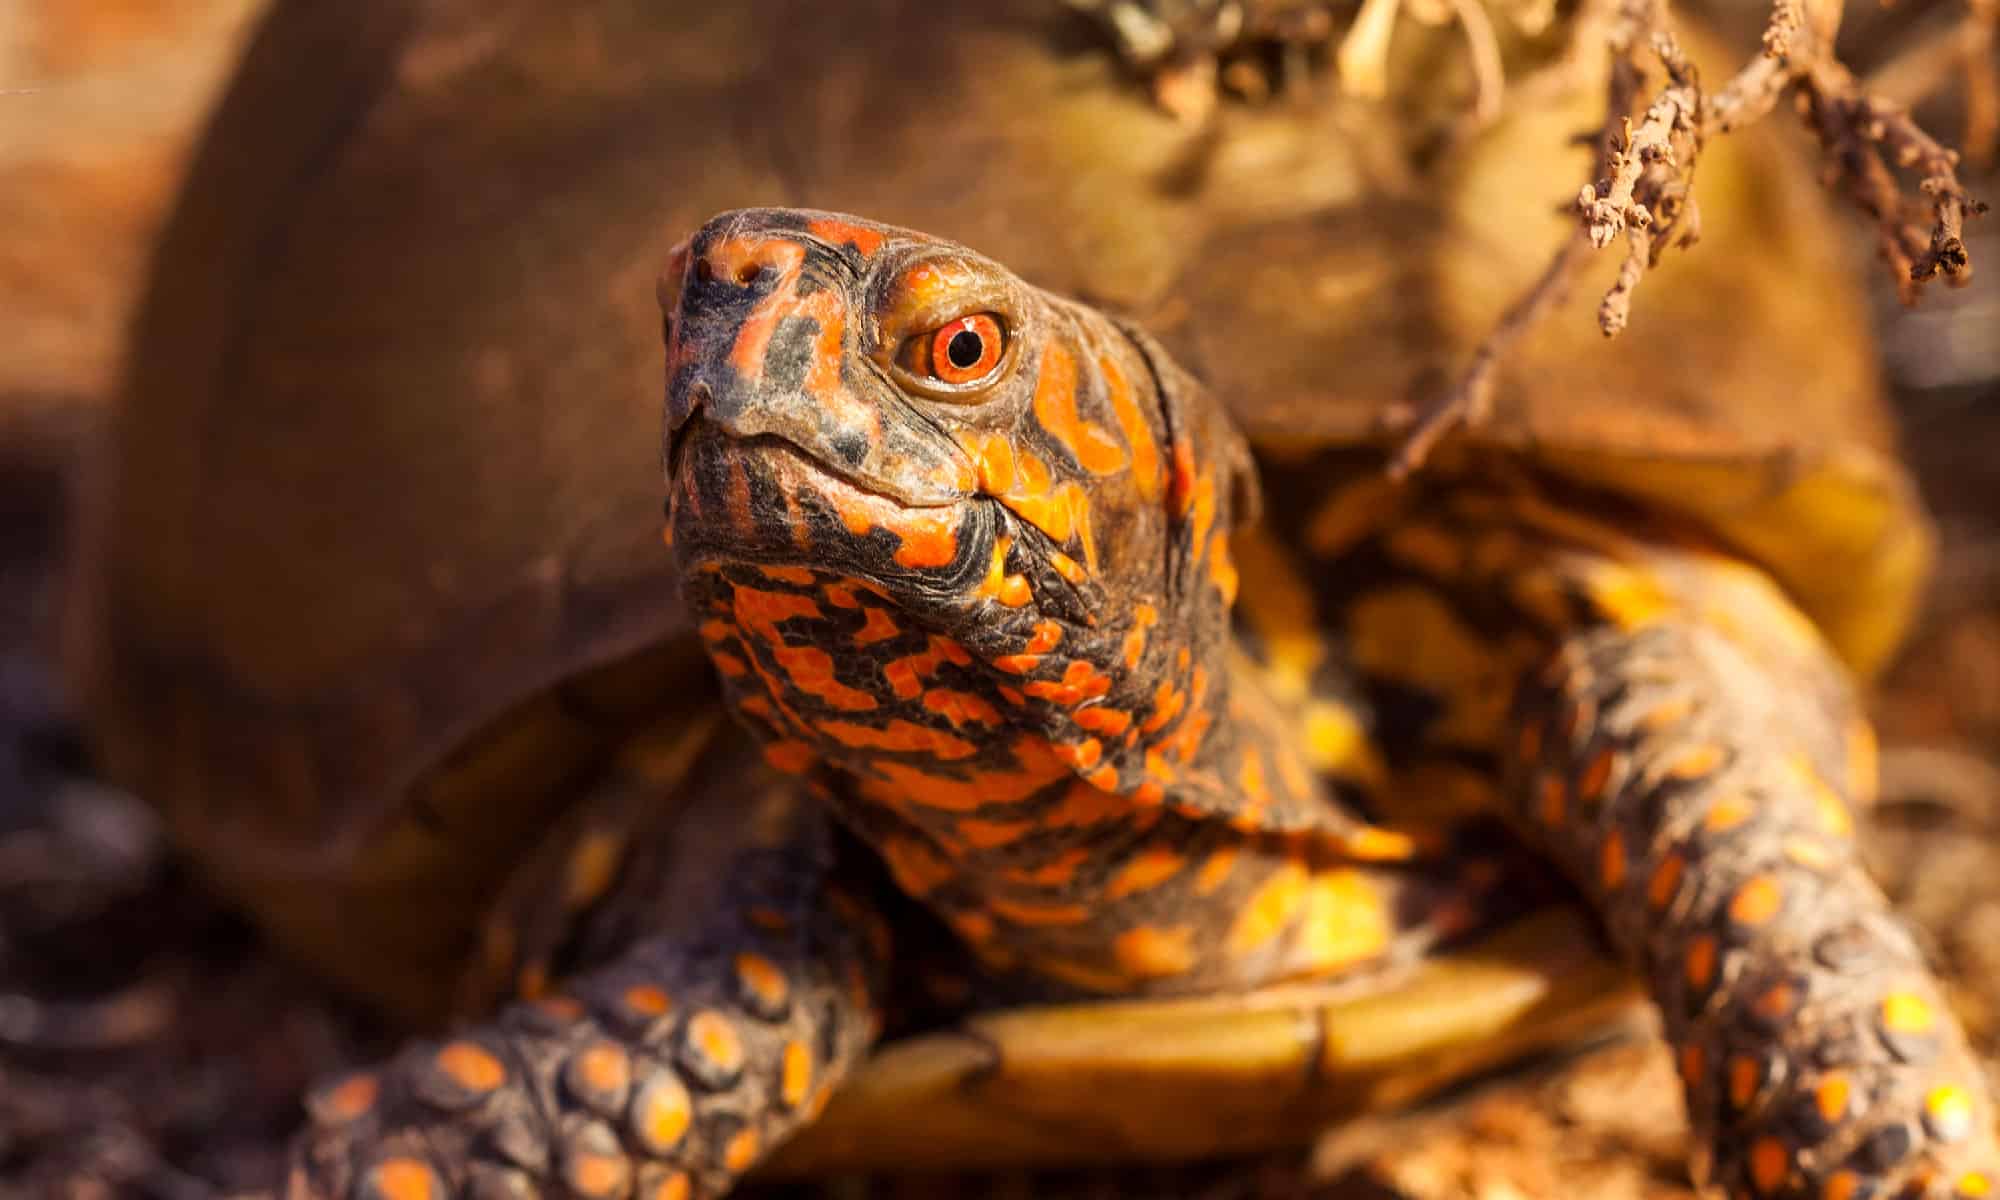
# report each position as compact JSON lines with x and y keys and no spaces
{"x":740,"y":1154}
{"x":404,"y":1179}
{"x":972,"y":926}
{"x":1056,"y":872}
{"x":1147,"y":475}
{"x":604,"y":1068}
{"x":662,"y":1113}
{"x":1167,"y":704}
{"x":829,"y":229}
{"x":1694,"y":1065}
{"x":1841,"y":1185}
{"x":564,"y":1009}
{"x":1346,"y":922}
{"x":1046,"y":636}
{"x":1975,"y":1183}
{"x":1222,"y":569}
{"x":1265,"y":914}
{"x":1701,"y":955}
{"x":1697,"y":763}
{"x":1148,"y":869}
{"x":712,"y":1034}
{"x":1611,"y":861}
{"x":900,"y":736}
{"x":1775,"y":1004}
{"x":1080,"y":755}
{"x":594,"y":1174}
{"x":1067,"y":567}
{"x":1666,"y":881}
{"x":647,"y":1000}
{"x":1149,"y":952}
{"x":1037,"y":767}
{"x":1831,"y":1097}
{"x":471,"y":1067}
{"x":1907,"y":1013}
{"x":1094,"y":448}
{"x":673,"y":1186}
{"x":1770,"y":1162}
{"x":1553,"y":801}
{"x":742,"y":258}
{"x":1143,"y":618}
{"x":792,"y":758}
{"x":812,"y":670}
{"x":731,"y":666}
{"x":918,"y":869}
{"x":350,"y":1098}
{"x":1745,"y":1073}
{"x":992,"y":456}
{"x":930,"y":537}
{"x":1080,"y":681}
{"x":795,"y":1074}
{"x":1180,"y":485}
{"x":1038,"y":915}
{"x":854,"y":514}
{"x":1250,"y":777}
{"x":1529,"y":748}
{"x":1590,"y":785}
{"x":988,"y":835}
{"x":905,"y":674}
{"x":1726,"y":814}
{"x":794,"y":575}
{"x":1108,"y":721}
{"x":1756,"y":902}
{"x":1808,"y":854}
{"x":1012,"y":591}
{"x":878,"y":626}
{"x":1085,"y":804}
{"x":960,"y":707}
{"x":1215,"y":870}
{"x":762,"y":978}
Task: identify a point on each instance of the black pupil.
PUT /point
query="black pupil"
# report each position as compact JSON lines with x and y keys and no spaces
{"x":964,"y":348}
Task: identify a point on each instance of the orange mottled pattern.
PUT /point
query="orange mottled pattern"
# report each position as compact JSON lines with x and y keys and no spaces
{"x":1660,"y":720}
{"x":981,"y":592}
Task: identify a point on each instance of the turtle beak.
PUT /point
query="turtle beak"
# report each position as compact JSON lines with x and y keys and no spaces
{"x":764,"y":342}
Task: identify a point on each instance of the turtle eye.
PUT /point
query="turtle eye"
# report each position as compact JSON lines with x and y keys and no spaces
{"x":958,"y":352}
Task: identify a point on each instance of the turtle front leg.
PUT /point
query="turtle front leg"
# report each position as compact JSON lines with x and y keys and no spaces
{"x":1702,"y":798}
{"x":717,"y":1023}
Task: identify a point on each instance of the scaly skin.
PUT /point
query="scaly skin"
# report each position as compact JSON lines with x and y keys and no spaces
{"x":972,"y":596}
{"x":709,"y":1033}
{"x":1685,"y":745}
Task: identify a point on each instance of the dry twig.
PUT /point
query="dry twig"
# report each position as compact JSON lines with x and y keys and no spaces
{"x":1643,"y":185}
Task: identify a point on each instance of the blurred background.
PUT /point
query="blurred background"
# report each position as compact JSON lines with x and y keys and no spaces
{"x":100,"y":103}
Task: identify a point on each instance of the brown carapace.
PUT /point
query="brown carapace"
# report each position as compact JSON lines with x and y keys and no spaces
{"x":967,"y":559}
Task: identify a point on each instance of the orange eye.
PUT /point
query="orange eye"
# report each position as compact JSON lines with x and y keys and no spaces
{"x":961,"y":351}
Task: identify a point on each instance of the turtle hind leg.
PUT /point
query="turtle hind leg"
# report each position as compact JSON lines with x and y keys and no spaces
{"x":1701,"y":798}
{"x":665,"y":1071}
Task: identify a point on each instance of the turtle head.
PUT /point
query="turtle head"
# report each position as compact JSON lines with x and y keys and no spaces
{"x":855,"y":410}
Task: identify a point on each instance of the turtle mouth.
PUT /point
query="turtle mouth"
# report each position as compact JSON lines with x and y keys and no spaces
{"x":760,"y":499}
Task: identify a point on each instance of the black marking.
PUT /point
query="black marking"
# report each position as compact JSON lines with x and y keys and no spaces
{"x":790,"y":353}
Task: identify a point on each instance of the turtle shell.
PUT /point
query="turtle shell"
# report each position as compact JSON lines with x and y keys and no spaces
{"x":1746,"y":393}
{"x":386,"y":471}
{"x":375,"y":568}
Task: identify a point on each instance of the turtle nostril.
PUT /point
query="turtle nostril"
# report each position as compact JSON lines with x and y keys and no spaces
{"x":749,"y":273}
{"x":704,"y":270}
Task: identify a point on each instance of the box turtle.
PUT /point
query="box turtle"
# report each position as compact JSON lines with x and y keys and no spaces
{"x":974,"y":777}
